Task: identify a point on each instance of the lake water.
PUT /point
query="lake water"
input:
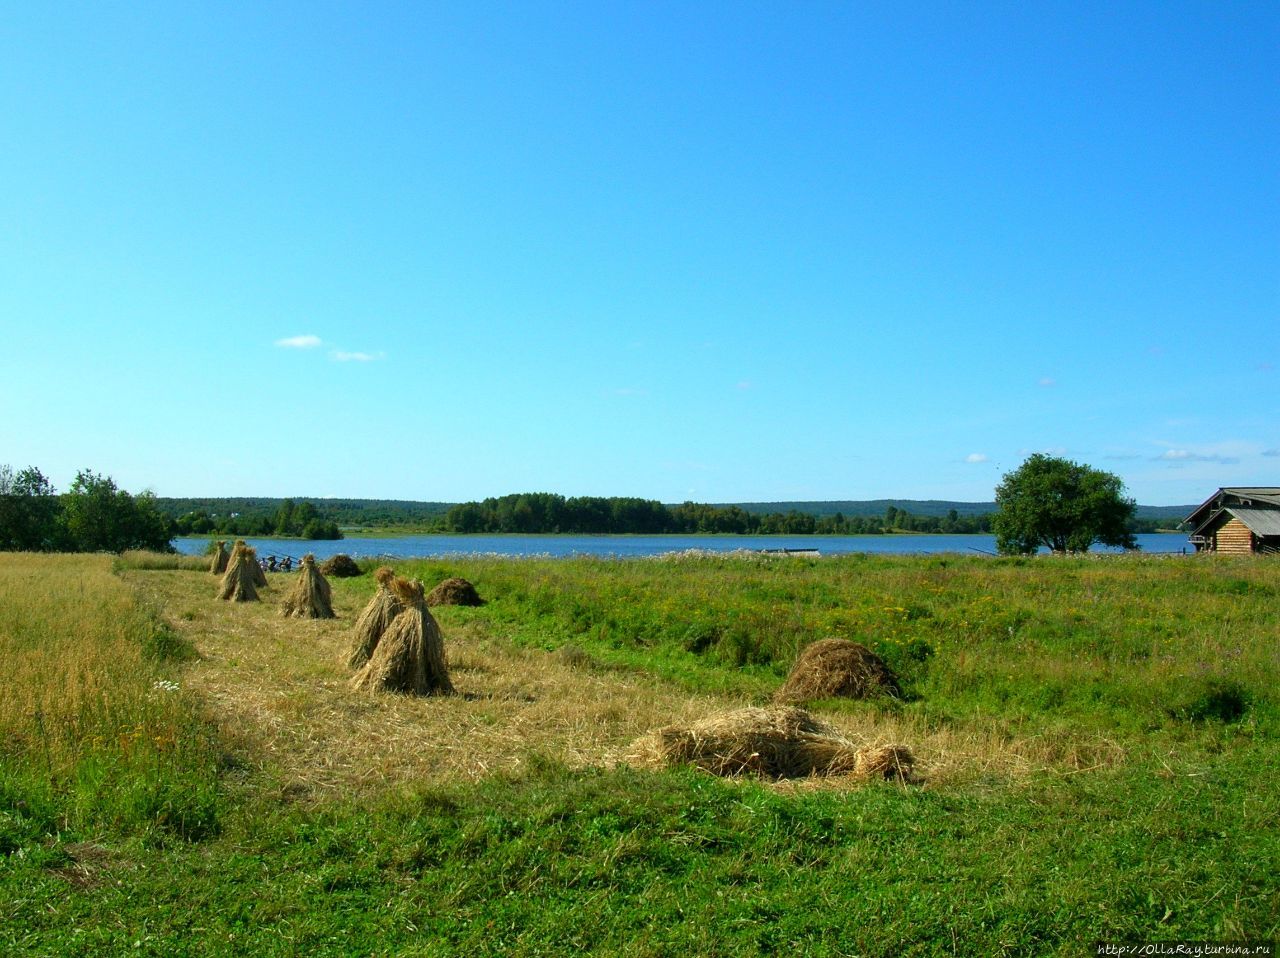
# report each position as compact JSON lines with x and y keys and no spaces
{"x":403,"y":547}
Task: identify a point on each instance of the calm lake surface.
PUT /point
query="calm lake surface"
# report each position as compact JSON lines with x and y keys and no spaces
{"x":404,"y":547}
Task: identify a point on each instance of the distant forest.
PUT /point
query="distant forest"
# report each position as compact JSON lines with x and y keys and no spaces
{"x":540,"y":512}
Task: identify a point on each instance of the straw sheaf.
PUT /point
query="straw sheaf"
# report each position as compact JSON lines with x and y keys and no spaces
{"x":777,"y":742}
{"x":837,"y":668}
{"x":408,"y":591}
{"x":311,"y":597}
{"x":238,"y":582}
{"x":410,"y":656}
{"x":220,"y":558}
{"x":374,"y":620}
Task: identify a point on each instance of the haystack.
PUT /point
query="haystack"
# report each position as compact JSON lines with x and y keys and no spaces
{"x":340,"y":566}
{"x":238,"y":581}
{"x":454,"y":592}
{"x":410,"y":656}
{"x":259,"y":577}
{"x":311,"y":597}
{"x":837,"y":668}
{"x":777,"y":742}
{"x":374,"y":620}
{"x":219,"y":564}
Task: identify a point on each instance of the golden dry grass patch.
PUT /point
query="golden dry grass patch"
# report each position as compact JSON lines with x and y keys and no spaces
{"x":279,"y":687}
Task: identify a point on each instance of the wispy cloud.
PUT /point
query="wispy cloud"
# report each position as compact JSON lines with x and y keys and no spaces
{"x":1186,"y":455}
{"x":1047,"y":382}
{"x":1271,"y":453}
{"x":976,"y":457}
{"x":630,"y":391}
{"x":745,"y":385}
{"x":300,"y":342}
{"x":339,"y":356}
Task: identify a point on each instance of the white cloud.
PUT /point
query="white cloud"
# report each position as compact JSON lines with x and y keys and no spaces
{"x":1047,"y":381}
{"x":746,"y":384}
{"x":300,"y":342}
{"x":976,"y":457}
{"x":1186,"y":455}
{"x":339,"y":356}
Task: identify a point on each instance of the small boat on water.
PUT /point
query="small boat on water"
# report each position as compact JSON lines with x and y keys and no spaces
{"x":790,"y":552}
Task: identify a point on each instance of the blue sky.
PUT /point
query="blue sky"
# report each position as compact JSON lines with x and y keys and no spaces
{"x":721,"y":252}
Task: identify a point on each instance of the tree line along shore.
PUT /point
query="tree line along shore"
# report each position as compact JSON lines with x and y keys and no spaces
{"x":96,"y":515}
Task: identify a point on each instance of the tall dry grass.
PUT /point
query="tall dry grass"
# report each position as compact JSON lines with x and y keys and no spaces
{"x":93,"y":728}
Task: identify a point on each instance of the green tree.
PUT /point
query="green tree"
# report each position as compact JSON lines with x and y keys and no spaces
{"x":99,"y":517}
{"x":1066,"y":506}
{"x":284,"y":520}
{"x":28,"y":511}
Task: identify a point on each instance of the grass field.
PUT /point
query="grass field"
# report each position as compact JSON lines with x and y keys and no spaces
{"x":1097,"y":742}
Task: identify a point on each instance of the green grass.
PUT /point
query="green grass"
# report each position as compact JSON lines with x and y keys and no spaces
{"x":1107,"y":642}
{"x":1171,"y":662}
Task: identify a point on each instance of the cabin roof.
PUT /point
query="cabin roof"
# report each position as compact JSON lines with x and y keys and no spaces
{"x":1262,"y":522}
{"x":1234,"y":497}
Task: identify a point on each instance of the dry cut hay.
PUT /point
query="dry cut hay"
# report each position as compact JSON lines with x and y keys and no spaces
{"x":238,"y":581}
{"x":837,"y":668}
{"x":776,"y":742}
{"x":311,"y":597}
{"x":409,"y":658}
{"x":375,"y":619}
{"x":340,"y":566}
{"x":218,"y":565}
{"x":885,"y":761}
{"x":454,"y":592}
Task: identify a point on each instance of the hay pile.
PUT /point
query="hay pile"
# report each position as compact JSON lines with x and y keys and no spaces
{"x":409,"y":657}
{"x":454,"y":592}
{"x":777,"y":742}
{"x":375,"y":619}
{"x":219,"y":564}
{"x":837,"y":668}
{"x":340,"y":566}
{"x":310,"y":597}
{"x":238,"y":582}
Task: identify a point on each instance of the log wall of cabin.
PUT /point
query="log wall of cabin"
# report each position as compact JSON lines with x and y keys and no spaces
{"x":1234,"y":538}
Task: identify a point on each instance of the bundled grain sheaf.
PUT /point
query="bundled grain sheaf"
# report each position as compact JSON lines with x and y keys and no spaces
{"x":374,"y":619}
{"x":311,"y":597}
{"x":454,"y":592}
{"x":238,"y":583}
{"x":777,"y":742}
{"x":219,"y":564}
{"x":409,"y":657}
{"x":256,"y":574}
{"x":837,"y":668}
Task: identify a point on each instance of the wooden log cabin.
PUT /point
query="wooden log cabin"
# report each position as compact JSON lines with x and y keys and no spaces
{"x":1238,"y":520}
